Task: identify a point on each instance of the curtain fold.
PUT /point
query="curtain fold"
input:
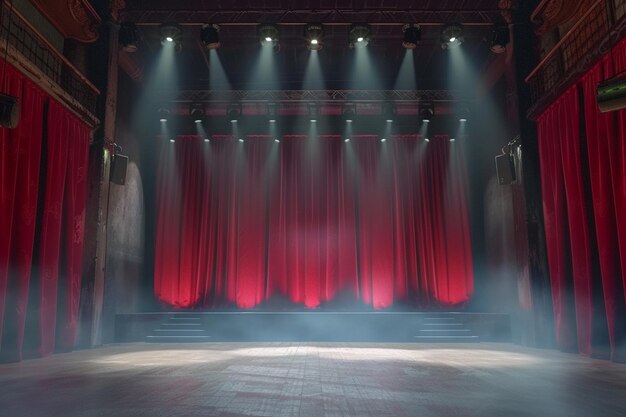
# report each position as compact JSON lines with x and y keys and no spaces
{"x":314,"y":220}
{"x":43,"y":190}
{"x":585,"y":233}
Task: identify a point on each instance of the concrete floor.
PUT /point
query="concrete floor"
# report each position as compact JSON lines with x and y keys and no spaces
{"x":281,"y":379}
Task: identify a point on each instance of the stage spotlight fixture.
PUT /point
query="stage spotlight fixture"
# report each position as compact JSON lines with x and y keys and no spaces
{"x":241,"y":140}
{"x":463,"y":114}
{"x":276,"y":140}
{"x":426,"y":140}
{"x":164,"y":113}
{"x":210,"y":36}
{"x":348,"y":112}
{"x":313,"y":34}
{"x":452,"y":35}
{"x":426,"y":111}
{"x":170,"y":32}
{"x":196,"y":111}
{"x":207,"y":139}
{"x":129,"y":37}
{"x":172,"y":141}
{"x":389,"y":111}
{"x":500,"y":38}
{"x":314,"y":111}
{"x":412,"y":35}
{"x":346,"y":140}
{"x":272,"y":111}
{"x":452,"y":139}
{"x":268,"y":33}
{"x":383,"y":140}
{"x":233,"y":112}
{"x":359,"y":34}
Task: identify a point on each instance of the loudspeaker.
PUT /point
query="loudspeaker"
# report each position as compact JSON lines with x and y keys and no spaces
{"x":9,"y":111}
{"x":505,"y":168}
{"x":118,"y":169}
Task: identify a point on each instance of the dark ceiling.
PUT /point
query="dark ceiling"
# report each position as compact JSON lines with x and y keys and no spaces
{"x":240,"y":45}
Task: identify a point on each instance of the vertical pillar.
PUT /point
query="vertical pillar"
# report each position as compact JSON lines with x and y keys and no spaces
{"x":539,"y":323}
{"x":102,"y":64}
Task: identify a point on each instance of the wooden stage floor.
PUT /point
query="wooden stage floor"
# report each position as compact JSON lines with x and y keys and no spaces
{"x":321,"y":379}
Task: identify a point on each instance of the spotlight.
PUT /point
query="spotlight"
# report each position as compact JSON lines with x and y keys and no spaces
{"x":129,"y":37}
{"x":348,"y":112}
{"x":196,"y":111}
{"x":170,"y":32}
{"x":346,"y":140}
{"x":426,"y":111}
{"x":268,"y":33}
{"x":272,"y":111}
{"x":359,"y":35}
{"x":412,"y":35}
{"x":207,"y":139}
{"x":240,"y":140}
{"x":276,"y":140}
{"x":500,"y":38}
{"x":389,"y":112}
{"x":233,"y":112}
{"x":463,"y":114}
{"x":452,"y":139}
{"x":383,"y":140}
{"x":163,"y":113}
{"x":426,"y":140}
{"x":210,"y":36}
{"x":451,"y":35}
{"x":172,"y":141}
{"x":313,"y":33}
{"x":313,"y":111}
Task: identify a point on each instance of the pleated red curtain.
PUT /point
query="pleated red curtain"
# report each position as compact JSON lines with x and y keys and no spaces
{"x":585,"y":235}
{"x":43,"y":169}
{"x":312,"y":220}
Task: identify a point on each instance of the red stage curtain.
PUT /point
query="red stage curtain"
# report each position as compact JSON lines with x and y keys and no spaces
{"x":575,"y":141}
{"x":42,"y":222}
{"x":312,"y":220}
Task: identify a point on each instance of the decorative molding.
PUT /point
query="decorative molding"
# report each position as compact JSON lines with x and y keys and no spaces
{"x":75,"y":19}
{"x":551,"y":14}
{"x":115,"y":6}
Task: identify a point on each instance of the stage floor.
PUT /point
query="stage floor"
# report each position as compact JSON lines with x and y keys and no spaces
{"x":320,"y":379}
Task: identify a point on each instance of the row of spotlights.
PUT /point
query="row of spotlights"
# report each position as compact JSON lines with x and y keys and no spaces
{"x":197,"y":112}
{"x":359,"y":34}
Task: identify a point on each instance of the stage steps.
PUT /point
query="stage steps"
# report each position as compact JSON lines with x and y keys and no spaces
{"x":183,"y":327}
{"x":180,"y":328}
{"x":444,"y":329}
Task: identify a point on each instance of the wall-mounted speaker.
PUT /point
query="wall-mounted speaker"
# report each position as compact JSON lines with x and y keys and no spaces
{"x":9,"y":111}
{"x":118,"y":169}
{"x":505,"y":169}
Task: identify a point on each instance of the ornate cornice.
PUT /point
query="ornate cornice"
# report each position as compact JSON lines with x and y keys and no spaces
{"x":75,"y":19}
{"x":550,"y":14}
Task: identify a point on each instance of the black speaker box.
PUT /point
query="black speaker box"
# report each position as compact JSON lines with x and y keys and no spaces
{"x":505,"y":168}
{"x":118,"y":169}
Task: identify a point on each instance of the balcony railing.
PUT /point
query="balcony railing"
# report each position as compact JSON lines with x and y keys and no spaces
{"x":27,"y":42}
{"x":593,"y":35}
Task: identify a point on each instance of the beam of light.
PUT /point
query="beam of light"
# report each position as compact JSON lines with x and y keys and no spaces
{"x":405,"y":79}
{"x":217,"y":76}
{"x":160,"y":87}
{"x":265,"y":74}
{"x":313,"y":78}
{"x":363,"y":75}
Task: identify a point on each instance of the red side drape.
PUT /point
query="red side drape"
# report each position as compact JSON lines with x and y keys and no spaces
{"x":43,"y":192}
{"x":311,"y":219}
{"x":575,"y":141}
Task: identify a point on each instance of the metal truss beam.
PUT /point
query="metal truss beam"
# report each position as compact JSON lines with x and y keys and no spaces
{"x":147,"y":15}
{"x":339,"y":96}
